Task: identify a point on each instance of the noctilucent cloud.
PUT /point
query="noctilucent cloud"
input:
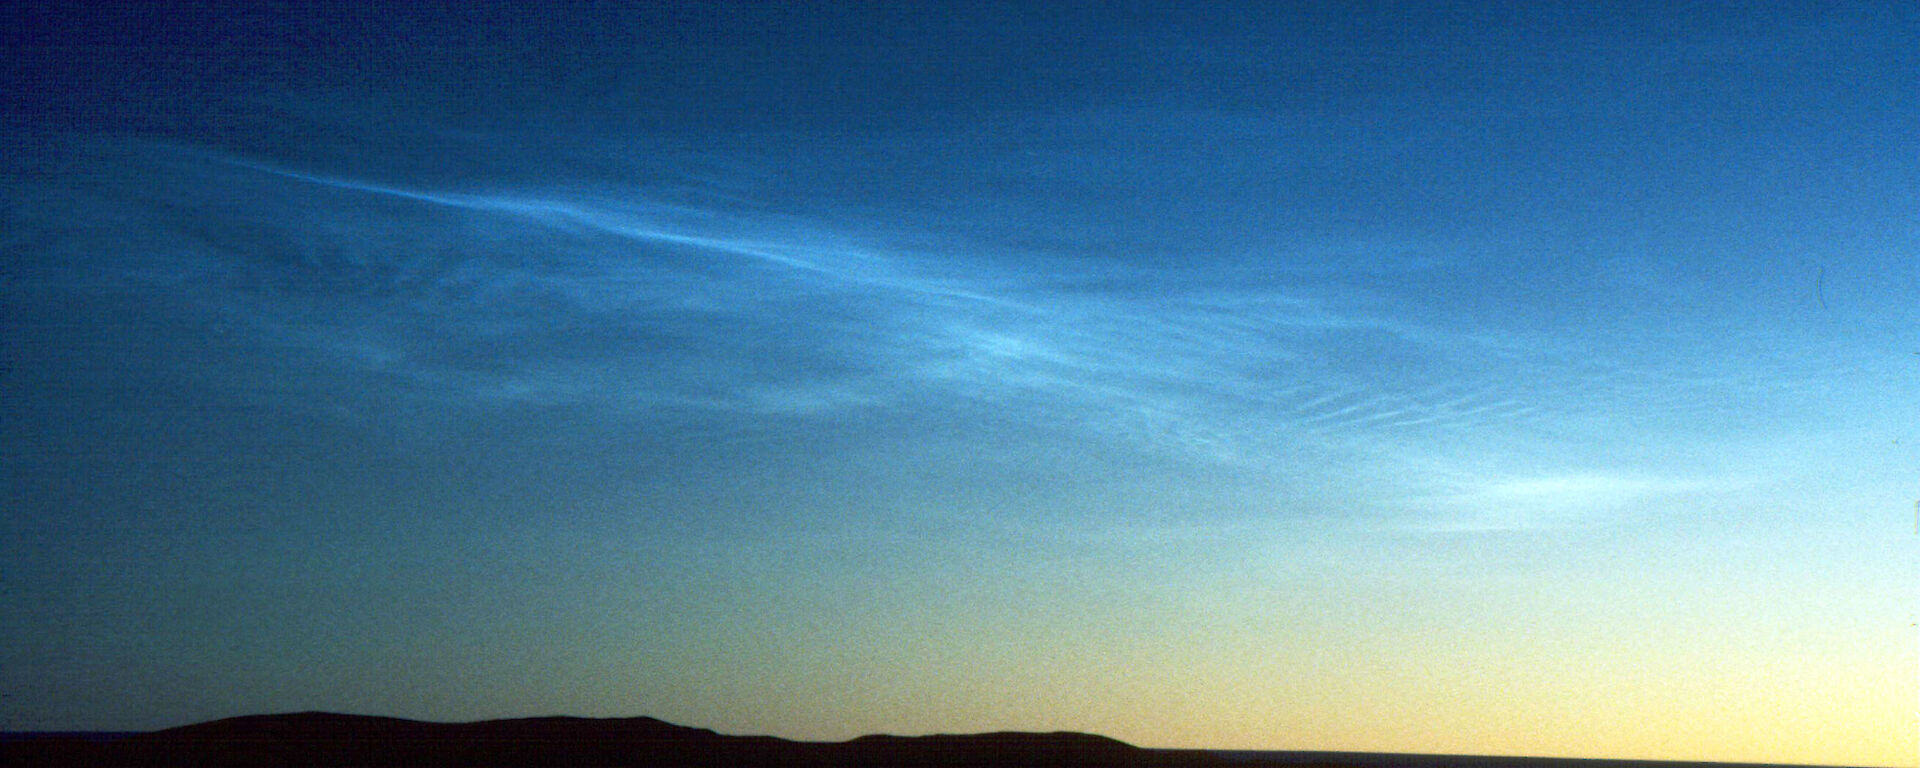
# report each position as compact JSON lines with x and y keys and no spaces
{"x":1452,"y":378}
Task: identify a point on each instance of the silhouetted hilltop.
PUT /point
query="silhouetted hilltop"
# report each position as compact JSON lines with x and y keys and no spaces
{"x":998,"y":749}
{"x":320,"y":739}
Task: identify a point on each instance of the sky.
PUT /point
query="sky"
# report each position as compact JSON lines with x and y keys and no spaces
{"x":1488,"y":378}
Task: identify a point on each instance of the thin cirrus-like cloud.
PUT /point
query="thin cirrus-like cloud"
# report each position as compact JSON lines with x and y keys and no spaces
{"x":1562,"y":498}
{"x":612,"y":299}
{"x":527,"y":296}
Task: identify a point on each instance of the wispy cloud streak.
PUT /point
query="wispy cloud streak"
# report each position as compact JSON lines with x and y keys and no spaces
{"x":618,"y":299}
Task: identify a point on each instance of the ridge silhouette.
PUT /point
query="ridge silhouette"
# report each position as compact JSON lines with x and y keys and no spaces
{"x":328,"y":740}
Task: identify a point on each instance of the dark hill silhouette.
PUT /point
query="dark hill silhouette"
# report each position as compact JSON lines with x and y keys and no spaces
{"x":320,"y":739}
{"x":999,"y":749}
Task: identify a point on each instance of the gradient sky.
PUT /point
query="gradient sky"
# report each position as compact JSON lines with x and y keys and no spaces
{"x":1487,"y":378}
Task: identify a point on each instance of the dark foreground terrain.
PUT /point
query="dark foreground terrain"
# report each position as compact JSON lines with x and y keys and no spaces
{"x":318,"y":739}
{"x":321,"y":739}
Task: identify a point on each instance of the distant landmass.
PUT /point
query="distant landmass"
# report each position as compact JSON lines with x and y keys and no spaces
{"x":319,"y":739}
{"x":328,"y":740}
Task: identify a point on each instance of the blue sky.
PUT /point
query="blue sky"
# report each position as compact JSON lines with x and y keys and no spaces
{"x":1486,"y":378}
